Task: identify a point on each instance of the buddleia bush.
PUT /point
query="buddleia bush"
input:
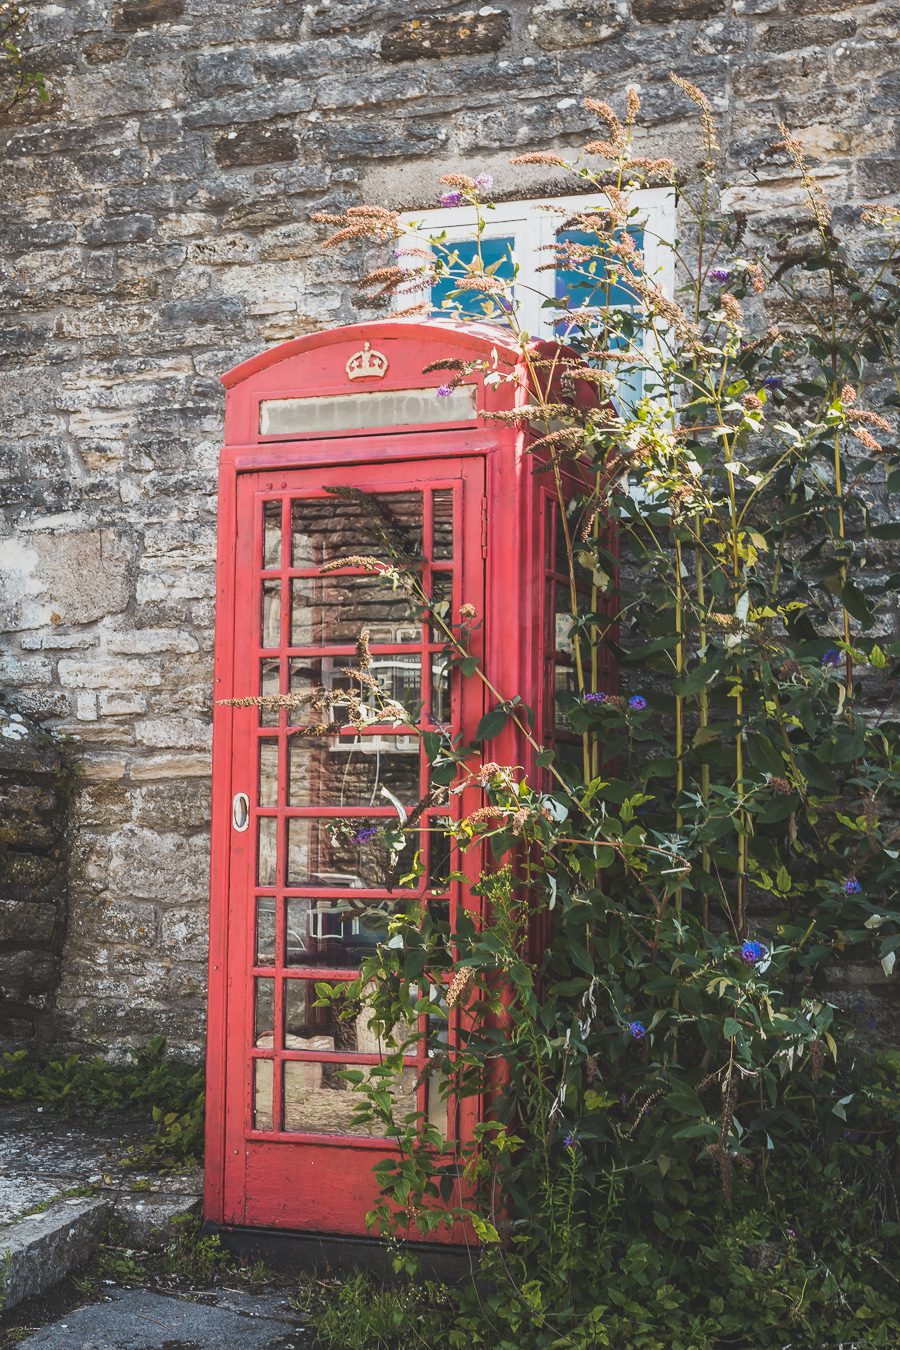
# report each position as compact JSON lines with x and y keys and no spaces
{"x":695,"y":1140}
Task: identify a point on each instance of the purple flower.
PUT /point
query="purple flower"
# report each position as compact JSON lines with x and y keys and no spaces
{"x":831,"y":658}
{"x":638,"y":1030}
{"x":364,"y":834}
{"x":570,"y":1141}
{"x":773,"y":382}
{"x":444,"y":391}
{"x":599,"y":697}
{"x":851,"y":886}
{"x":454,"y":198}
{"x":484,"y":182}
{"x":751,"y":952}
{"x":637,"y":702}
{"x":790,"y":1232}
{"x":720,"y":274}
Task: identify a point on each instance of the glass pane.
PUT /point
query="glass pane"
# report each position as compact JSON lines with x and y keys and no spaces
{"x":399,"y":677}
{"x":587,"y":282}
{"x":333,"y":610}
{"x":440,"y":852}
{"x":563,"y":620}
{"x":351,"y":771}
{"x":325,"y":854}
{"x":262,"y":1094}
{"x":442,"y":526}
{"x":385,"y":525}
{"x":269,"y":683}
{"x":318,"y":1101}
{"x":441,"y":712}
{"x":272,"y":534}
{"x":268,"y":772}
{"x":265,"y":930}
{"x":437,"y":1103}
{"x":496,"y":254}
{"x":264,"y":1013}
{"x":442,"y":604}
{"x":565,"y":682}
{"x":337,"y":933}
{"x":270,"y":628}
{"x":267,"y":855}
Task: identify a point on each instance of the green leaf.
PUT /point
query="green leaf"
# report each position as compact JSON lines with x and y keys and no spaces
{"x":491,"y":724}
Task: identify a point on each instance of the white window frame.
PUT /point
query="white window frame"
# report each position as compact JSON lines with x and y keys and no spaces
{"x":533,"y":230}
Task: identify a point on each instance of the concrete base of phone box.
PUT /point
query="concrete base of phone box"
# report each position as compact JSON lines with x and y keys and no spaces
{"x":326,"y":1253}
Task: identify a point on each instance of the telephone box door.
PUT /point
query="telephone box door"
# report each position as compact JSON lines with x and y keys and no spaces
{"x":310,"y":883}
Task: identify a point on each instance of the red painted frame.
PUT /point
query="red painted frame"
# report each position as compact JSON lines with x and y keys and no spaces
{"x":249,"y":1180}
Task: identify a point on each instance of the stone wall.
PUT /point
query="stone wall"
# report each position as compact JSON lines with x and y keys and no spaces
{"x":155,"y":230}
{"x":35,"y":782}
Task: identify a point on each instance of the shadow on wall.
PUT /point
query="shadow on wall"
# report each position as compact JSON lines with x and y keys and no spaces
{"x":35,"y":787}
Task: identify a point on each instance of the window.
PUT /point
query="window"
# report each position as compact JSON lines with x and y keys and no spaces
{"x":517,"y":242}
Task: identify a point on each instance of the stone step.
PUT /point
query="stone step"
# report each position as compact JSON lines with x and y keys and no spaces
{"x":39,"y":1250}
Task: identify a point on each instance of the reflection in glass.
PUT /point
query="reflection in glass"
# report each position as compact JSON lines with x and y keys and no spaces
{"x":440,"y":689}
{"x":352,"y":770}
{"x":386,"y":525}
{"x":336,"y":933}
{"x":440,"y":852}
{"x":442,"y":604}
{"x":270,"y":628}
{"x":307,"y":1027}
{"x":268,"y":772}
{"x":262,"y":1094}
{"x":269,"y":683}
{"x":265,"y":930}
{"x":400,"y":677}
{"x":267,"y":851}
{"x":442,"y":512}
{"x":272,"y":534}
{"x":332,"y":611}
{"x":318,"y":1101}
{"x":325,"y":854}
{"x":264,"y":1012}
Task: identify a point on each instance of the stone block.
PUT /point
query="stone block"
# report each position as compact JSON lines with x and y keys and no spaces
{"x":26,"y":971}
{"x":121,"y":704}
{"x":32,"y":924}
{"x":84,"y":574}
{"x":176,"y":733}
{"x":106,"y":674}
{"x":558,"y":24}
{"x":185,"y":933}
{"x":467,"y":33}
{"x":118,"y":230}
{"x":44,"y":1248}
{"x":130,"y":16}
{"x":793,"y":36}
{"x":662,"y":11}
{"x":147,"y":1219}
{"x":221,"y":72}
{"x":256,"y":143}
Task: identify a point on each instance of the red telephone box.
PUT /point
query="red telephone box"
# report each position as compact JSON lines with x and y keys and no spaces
{"x":298,"y":893}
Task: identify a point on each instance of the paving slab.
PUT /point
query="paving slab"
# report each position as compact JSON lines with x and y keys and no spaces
{"x":138,"y":1319}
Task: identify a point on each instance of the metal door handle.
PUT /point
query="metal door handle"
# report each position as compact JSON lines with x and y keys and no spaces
{"x":240,"y":811}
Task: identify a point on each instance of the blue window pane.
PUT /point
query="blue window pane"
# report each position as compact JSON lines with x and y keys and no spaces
{"x":587,"y":287}
{"x":496,"y":255}
{"x":586,"y":284}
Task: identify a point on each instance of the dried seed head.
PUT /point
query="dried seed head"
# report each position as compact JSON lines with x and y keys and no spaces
{"x":458,"y":180}
{"x":458,"y":985}
{"x":780,"y":786}
{"x":541,"y":157}
{"x":848,"y":395}
{"x":731,"y":308}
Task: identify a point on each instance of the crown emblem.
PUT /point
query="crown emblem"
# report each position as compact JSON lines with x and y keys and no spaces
{"x":367,"y":365}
